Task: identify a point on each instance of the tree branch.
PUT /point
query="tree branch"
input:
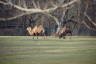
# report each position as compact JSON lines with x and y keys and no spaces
{"x":88,"y":26}
{"x":93,"y":23}
{"x":33,"y":10}
{"x":34,"y":4}
{"x":90,"y":19}
{"x":56,"y":20}
{"x":38,"y":4}
{"x":14,"y":17}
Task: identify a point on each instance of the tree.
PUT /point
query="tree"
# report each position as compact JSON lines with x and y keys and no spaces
{"x":37,"y":8}
{"x":87,"y":16}
{"x":56,"y":10}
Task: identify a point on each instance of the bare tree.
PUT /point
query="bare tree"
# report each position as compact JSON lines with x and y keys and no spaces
{"x":36,"y":8}
{"x":54,"y":9}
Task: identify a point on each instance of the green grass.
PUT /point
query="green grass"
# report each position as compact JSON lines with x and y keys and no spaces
{"x":25,"y":50}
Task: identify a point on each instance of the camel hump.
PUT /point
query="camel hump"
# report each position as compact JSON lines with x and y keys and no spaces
{"x":35,"y":28}
{"x":40,"y":28}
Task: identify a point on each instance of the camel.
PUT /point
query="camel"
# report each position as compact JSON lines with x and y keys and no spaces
{"x":38,"y":30}
{"x":64,"y":32}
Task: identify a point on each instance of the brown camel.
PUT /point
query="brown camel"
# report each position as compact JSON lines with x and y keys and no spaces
{"x":64,"y":31}
{"x":36,"y":31}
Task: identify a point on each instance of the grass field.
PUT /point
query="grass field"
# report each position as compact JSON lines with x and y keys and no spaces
{"x":25,"y":50}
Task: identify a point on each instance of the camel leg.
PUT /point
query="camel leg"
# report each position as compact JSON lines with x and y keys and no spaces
{"x":60,"y":36}
{"x":70,"y":35}
{"x":63,"y":37}
{"x":37,"y":35}
{"x":33,"y":37}
{"x":45,"y":36}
